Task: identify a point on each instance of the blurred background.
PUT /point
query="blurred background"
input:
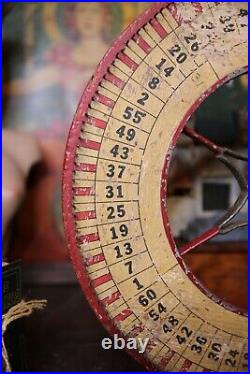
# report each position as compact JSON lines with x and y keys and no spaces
{"x":50,"y":51}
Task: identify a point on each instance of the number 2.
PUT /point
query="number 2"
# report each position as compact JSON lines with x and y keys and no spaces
{"x":144,"y":98}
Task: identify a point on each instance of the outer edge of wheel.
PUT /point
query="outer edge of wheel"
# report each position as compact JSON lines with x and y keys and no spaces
{"x":70,"y":149}
{"x":163,"y":193}
{"x":74,"y":132}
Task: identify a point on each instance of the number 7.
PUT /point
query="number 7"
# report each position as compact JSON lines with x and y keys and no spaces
{"x":129,"y":265}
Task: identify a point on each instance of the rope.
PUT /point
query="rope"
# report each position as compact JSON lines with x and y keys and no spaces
{"x":22,"y":309}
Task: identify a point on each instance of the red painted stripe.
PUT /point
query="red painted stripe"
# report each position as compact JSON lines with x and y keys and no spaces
{"x":94,"y":259}
{"x":112,"y":298}
{"x":197,"y":7}
{"x":159,"y":28}
{"x":206,"y":370}
{"x":127,"y":61}
{"x":90,"y":144}
{"x":83,"y":191}
{"x":172,"y":8}
{"x":86,"y":167}
{"x":88,"y":214}
{"x":96,"y":122}
{"x":101,"y":280}
{"x":151,"y":344}
{"x":104,"y":100}
{"x":88,"y":238}
{"x":166,"y":359}
{"x":199,"y":240}
{"x":136,"y":330}
{"x":186,"y":365}
{"x":123,"y":315}
{"x":142,"y":43}
{"x":115,"y":80}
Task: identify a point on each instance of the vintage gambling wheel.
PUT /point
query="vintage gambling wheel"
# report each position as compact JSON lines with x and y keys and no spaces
{"x":114,"y":187}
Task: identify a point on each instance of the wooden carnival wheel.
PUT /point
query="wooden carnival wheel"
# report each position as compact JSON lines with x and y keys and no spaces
{"x":119,"y":147}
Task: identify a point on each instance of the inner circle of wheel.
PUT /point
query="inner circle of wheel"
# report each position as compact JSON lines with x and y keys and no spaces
{"x":129,"y":117}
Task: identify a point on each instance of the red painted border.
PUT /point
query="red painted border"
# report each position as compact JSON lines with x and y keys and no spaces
{"x":67,"y":190}
{"x":163,"y":192}
{"x":68,"y":167}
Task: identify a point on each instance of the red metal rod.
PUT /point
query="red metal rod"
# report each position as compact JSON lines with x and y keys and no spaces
{"x":212,"y":146}
{"x":222,"y":226}
{"x":209,"y":234}
{"x":205,"y":141}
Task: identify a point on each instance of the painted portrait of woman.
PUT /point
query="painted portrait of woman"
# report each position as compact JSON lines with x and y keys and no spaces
{"x":50,"y":52}
{"x":60,"y":46}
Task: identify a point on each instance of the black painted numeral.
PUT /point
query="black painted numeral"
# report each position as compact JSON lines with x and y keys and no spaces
{"x":122,"y":152}
{"x":127,"y":250}
{"x":199,"y":343}
{"x":208,"y":26}
{"x":138,"y":284}
{"x":146,"y":298}
{"x":118,"y":211}
{"x":232,"y":360}
{"x":170,"y":324}
{"x":155,"y":314}
{"x":215,"y":350}
{"x":167,"y":70}
{"x":128,"y":264}
{"x":245,"y":361}
{"x":110,"y":192}
{"x":123,"y":231}
{"x":128,"y":112}
{"x":176,"y":50}
{"x":228,"y":27}
{"x":128,"y":133}
{"x":135,"y":115}
{"x":112,"y":170}
{"x":191,"y":39}
{"x":153,"y":83}
{"x":186,"y":333}
{"x":225,"y":19}
{"x":144,"y":98}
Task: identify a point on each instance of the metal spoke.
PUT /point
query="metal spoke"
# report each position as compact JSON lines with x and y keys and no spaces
{"x":215,"y":148}
{"x":223,"y":226}
{"x":242,"y":198}
{"x":203,"y":238}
